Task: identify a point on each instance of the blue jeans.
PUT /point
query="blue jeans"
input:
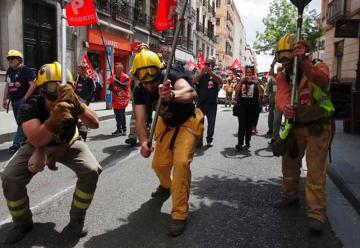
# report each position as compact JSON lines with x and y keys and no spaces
{"x":19,"y":136}
{"x":209,"y":110}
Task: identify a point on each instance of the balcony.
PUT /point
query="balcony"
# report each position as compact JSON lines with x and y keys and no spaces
{"x":141,"y":19}
{"x":119,"y":10}
{"x":336,"y":10}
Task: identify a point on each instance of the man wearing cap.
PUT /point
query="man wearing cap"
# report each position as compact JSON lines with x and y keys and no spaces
{"x":49,"y":122}
{"x":19,"y":86}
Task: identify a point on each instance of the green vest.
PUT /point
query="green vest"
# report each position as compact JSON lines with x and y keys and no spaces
{"x":322,"y":98}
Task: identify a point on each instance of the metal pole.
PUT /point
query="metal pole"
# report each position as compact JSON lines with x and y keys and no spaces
{"x":295,"y":66}
{"x":63,"y":42}
{"x":168,"y":67}
{"x":103,"y":41}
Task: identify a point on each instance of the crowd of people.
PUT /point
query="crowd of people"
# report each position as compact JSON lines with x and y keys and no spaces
{"x":49,"y":118}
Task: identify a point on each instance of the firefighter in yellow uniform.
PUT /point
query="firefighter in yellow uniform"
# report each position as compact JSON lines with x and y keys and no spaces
{"x":49,"y":122}
{"x":178,"y":129}
{"x":310,"y":132}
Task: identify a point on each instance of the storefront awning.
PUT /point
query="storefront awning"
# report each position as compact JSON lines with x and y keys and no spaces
{"x":116,"y":41}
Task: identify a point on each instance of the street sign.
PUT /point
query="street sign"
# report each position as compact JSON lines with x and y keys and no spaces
{"x":347,"y":29}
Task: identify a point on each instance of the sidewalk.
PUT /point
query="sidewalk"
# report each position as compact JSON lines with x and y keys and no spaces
{"x":8,"y":128}
{"x":344,"y":169}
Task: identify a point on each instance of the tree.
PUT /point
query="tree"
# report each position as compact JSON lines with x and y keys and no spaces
{"x":281,"y":20}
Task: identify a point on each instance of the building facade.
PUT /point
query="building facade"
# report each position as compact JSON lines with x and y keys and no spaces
{"x":239,"y":43}
{"x":250,"y":56}
{"x":204,"y":39}
{"x":341,"y":54}
{"x":225,"y":12}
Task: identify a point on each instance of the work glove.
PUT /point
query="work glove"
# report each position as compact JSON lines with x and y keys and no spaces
{"x":59,"y":117}
{"x":67,"y":94}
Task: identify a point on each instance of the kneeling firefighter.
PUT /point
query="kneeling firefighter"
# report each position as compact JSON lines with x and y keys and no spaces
{"x":310,"y":131}
{"x":179,"y":127}
{"x":49,"y":122}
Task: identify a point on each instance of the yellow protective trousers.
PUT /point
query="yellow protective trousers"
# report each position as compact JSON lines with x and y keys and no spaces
{"x":177,"y":159}
{"x":316,"y":147}
{"x":16,"y":176}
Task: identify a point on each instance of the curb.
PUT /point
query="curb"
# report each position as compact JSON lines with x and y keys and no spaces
{"x":344,"y":189}
{"x":10,"y":136}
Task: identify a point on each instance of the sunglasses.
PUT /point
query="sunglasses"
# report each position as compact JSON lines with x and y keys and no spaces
{"x":12,"y":58}
{"x":147,"y":74}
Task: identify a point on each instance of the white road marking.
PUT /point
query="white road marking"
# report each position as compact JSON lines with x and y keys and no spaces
{"x":64,"y":191}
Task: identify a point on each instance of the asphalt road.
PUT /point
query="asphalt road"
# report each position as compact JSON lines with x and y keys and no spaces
{"x":231,"y":199}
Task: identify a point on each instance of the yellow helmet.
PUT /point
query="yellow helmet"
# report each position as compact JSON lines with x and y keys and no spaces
{"x":14,"y":53}
{"x":52,"y":73}
{"x":284,"y":48}
{"x":146,"y":65}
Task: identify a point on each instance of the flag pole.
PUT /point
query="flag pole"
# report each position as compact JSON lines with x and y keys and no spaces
{"x":63,"y":41}
{"x":103,"y":41}
{"x":168,"y":67}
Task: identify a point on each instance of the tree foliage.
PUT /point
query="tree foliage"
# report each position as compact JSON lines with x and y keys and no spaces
{"x":281,"y":20}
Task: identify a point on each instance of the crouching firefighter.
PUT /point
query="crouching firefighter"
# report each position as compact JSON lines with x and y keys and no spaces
{"x":179,"y":127}
{"x":310,"y":131}
{"x":49,"y":122}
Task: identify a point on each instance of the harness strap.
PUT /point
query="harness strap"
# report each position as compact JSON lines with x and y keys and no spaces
{"x":173,"y":138}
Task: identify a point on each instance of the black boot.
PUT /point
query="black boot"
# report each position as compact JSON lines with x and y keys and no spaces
{"x":131,"y":141}
{"x":75,"y":228}
{"x":315,"y":226}
{"x":177,"y":227}
{"x":238,"y":147}
{"x":161,"y":192}
{"x":18,"y":232}
{"x":287,"y":203}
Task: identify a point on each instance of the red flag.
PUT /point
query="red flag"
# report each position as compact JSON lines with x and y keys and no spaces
{"x":81,"y":13}
{"x":201,"y":61}
{"x":89,"y":68}
{"x":165,"y":18}
{"x":236,"y":65}
{"x":190,"y":65}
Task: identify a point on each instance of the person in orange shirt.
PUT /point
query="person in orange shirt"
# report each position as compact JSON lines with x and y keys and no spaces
{"x":310,"y":131}
{"x":119,"y":84}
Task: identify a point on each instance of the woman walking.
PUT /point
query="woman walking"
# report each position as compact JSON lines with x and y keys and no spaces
{"x":247,"y":109}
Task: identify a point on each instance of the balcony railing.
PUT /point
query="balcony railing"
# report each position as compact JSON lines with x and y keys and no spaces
{"x":122,"y":11}
{"x":336,"y":10}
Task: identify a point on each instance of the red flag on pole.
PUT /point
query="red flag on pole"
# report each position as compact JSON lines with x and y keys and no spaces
{"x":201,"y":61}
{"x":236,"y":64}
{"x":165,"y":18}
{"x":89,"y":68}
{"x":81,"y":13}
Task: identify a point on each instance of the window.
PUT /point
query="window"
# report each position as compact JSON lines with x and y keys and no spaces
{"x":339,"y":53}
{"x":217,"y":21}
{"x":218,"y":3}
